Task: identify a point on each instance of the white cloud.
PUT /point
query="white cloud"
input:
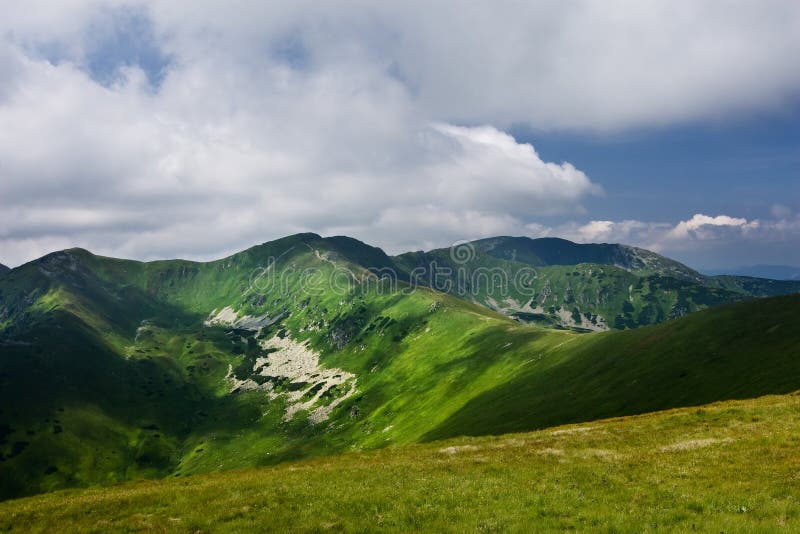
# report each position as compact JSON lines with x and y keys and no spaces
{"x":703,"y":227}
{"x":779,"y":211}
{"x":584,"y":64}
{"x":276,"y":117}
{"x":640,"y":233}
{"x":210,"y":164}
{"x":595,"y":231}
{"x":702,"y":240}
{"x":489,"y":168}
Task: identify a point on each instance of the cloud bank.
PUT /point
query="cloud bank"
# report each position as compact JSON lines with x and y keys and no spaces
{"x":184,"y":170}
{"x":711,"y":242}
{"x":162,"y":129}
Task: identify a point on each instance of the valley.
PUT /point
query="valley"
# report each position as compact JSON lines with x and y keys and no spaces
{"x":115,"y":370}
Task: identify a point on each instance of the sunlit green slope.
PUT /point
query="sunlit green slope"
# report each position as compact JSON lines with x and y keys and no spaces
{"x":735,"y":351}
{"x":585,"y":287}
{"x":727,"y":467}
{"x":113,"y":369}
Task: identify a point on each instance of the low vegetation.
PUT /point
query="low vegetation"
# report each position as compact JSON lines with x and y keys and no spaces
{"x":725,"y":467}
{"x":114,"y":370}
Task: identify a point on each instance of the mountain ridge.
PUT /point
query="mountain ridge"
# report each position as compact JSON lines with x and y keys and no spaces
{"x":547,"y":251}
{"x":540,"y":252}
{"x":595,"y":286}
{"x":555,"y":282}
{"x":114,"y":369}
{"x":773,"y":272}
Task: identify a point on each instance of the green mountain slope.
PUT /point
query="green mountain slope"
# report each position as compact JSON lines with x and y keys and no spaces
{"x":112,"y":369}
{"x":736,"y":351}
{"x":588,"y":287}
{"x":554,"y":251}
{"x":757,"y":287}
{"x":772,"y":272}
{"x":3,"y":269}
{"x":727,"y":467}
{"x":544,"y":252}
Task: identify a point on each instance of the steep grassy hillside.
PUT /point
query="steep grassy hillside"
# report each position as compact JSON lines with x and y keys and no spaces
{"x":727,"y":467}
{"x":735,"y":351}
{"x":112,"y":370}
{"x":3,"y":269}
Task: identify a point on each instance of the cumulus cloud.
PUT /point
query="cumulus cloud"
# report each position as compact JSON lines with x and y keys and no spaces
{"x":780,"y":211}
{"x":581,"y":64}
{"x":157,"y":129}
{"x":210,"y":164}
{"x":488,"y":167}
{"x":703,"y":227}
{"x":702,"y":240}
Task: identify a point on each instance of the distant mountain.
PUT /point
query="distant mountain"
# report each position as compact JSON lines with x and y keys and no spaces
{"x":3,"y":269}
{"x":555,"y":251}
{"x":114,"y":369}
{"x":555,"y":282}
{"x":774,"y":272}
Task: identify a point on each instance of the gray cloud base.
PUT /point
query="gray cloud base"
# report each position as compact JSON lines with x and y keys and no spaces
{"x":270,"y":118}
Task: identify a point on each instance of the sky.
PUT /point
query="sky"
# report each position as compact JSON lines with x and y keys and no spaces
{"x":150,"y":130}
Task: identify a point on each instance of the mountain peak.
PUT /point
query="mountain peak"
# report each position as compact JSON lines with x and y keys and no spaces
{"x":546,"y":251}
{"x":359,"y":252}
{"x":774,"y":272}
{"x":302,"y":236}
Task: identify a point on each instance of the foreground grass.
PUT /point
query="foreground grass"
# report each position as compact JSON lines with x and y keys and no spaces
{"x":729,"y":467}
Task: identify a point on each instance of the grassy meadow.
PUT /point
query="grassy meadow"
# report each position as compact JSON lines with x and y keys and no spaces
{"x":724,"y":467}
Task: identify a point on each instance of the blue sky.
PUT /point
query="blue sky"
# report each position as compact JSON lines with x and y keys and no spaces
{"x":743,"y":166}
{"x":748,"y":166}
{"x":149,"y":130}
